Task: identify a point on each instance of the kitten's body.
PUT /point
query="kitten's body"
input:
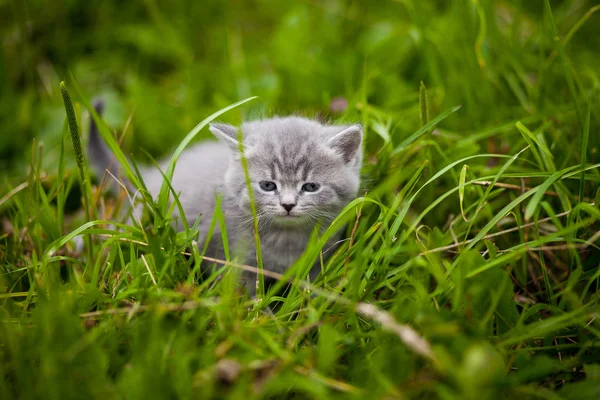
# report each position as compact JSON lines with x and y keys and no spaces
{"x":199,"y":177}
{"x":287,"y":152}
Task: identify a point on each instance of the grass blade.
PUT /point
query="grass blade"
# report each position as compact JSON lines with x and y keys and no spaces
{"x":584,"y":146}
{"x":461,"y":190}
{"x":404,"y":208}
{"x":427,"y":128}
{"x":423,"y":105}
{"x":86,"y":189}
{"x":164,"y":190}
{"x":569,"y":72}
{"x":108,"y":137}
{"x":540,"y":191}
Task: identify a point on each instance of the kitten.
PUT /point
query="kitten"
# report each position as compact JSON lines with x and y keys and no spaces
{"x":302,"y":174}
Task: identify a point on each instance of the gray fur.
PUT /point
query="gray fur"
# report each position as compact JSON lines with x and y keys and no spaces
{"x":100,"y":157}
{"x":289,"y":151}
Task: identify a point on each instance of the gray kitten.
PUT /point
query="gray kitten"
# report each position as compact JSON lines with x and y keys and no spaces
{"x":302,"y":174}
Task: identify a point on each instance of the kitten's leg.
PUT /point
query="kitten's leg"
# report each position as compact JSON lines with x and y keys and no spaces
{"x":328,"y":250}
{"x":248,"y":280}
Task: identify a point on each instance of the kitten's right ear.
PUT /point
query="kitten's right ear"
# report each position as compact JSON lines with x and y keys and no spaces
{"x":347,"y":142}
{"x":226,"y":132}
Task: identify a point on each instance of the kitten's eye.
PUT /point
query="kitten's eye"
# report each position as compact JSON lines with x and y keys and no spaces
{"x":268,"y":186}
{"x":310,"y":187}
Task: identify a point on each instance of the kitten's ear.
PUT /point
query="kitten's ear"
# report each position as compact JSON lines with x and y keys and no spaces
{"x":226,"y":132}
{"x":347,"y":142}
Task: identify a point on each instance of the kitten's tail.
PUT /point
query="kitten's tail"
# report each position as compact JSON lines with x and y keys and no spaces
{"x":100,"y":156}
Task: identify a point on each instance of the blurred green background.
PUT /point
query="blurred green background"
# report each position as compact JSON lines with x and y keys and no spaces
{"x":172,"y":63}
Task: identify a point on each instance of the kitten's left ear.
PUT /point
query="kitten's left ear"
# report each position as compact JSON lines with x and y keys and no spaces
{"x":226,"y":132}
{"x":347,"y":142}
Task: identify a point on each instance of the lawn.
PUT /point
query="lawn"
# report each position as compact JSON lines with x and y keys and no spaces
{"x":472,"y":264}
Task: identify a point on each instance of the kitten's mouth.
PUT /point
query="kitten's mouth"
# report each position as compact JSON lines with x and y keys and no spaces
{"x":290,"y":219}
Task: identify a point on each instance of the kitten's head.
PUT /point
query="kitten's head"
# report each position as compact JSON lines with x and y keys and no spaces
{"x":301,"y":171}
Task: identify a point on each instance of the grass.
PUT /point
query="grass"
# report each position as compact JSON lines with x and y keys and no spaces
{"x":471,"y":268}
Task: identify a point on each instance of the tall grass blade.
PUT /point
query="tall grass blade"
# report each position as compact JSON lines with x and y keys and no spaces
{"x":164,"y":190}
{"x":584,"y":149}
{"x":540,"y":191}
{"x":260,"y":280}
{"x":569,"y":72}
{"x":405,"y":206}
{"x":423,"y":105}
{"x":86,"y":189}
{"x":461,"y":190}
{"x":425,"y":129}
{"x":108,"y":137}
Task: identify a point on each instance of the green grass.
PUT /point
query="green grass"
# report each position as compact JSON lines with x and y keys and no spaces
{"x":471,"y":268}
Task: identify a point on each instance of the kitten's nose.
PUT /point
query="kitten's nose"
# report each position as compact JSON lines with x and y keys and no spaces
{"x":288,"y":207}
